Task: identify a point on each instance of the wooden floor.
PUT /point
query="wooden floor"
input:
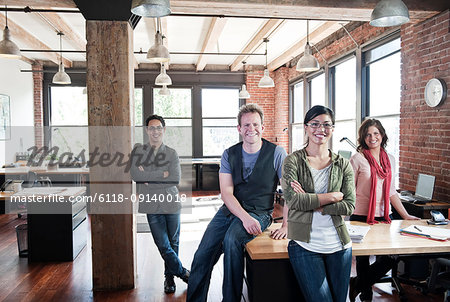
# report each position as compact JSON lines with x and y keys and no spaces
{"x":72,"y":281}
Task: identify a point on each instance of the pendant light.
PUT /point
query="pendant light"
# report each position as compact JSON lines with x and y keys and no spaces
{"x":308,"y":62}
{"x":243,"y":94}
{"x":8,"y":49}
{"x":389,"y":13}
{"x":163,"y":78}
{"x":151,"y":8}
{"x":266,"y":81}
{"x":164,"y":91}
{"x":158,"y":53}
{"x":61,"y":77}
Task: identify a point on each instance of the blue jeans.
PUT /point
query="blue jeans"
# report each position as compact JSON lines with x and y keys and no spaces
{"x":321,"y":277}
{"x":166,"y":234}
{"x":224,"y":234}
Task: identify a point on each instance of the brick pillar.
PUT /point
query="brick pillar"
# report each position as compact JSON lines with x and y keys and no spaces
{"x":38,"y":79}
{"x":281,"y":105}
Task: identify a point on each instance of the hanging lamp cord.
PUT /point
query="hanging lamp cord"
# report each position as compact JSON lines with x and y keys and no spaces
{"x":6,"y":16}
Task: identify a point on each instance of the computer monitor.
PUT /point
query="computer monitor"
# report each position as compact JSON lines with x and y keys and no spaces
{"x":425,"y":186}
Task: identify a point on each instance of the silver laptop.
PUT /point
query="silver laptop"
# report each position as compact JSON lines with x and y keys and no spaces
{"x":424,"y":189}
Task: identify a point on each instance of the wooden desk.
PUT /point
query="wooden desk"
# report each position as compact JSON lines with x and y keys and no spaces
{"x":268,"y":266}
{"x":423,"y":210}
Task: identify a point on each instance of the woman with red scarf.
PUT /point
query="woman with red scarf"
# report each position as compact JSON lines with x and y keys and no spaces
{"x":375,"y":192}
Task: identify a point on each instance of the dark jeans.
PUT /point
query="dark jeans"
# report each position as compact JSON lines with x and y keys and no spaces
{"x":321,"y":277}
{"x":368,"y":274}
{"x":224,"y":234}
{"x":166,"y":234}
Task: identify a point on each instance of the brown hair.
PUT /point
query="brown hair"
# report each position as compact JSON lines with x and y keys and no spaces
{"x":364,"y":128}
{"x":250,"y":108}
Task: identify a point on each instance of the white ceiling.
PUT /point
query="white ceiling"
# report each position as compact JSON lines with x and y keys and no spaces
{"x":184,"y":34}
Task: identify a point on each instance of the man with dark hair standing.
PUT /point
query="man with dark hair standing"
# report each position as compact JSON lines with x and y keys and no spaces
{"x":248,"y":176}
{"x":156,"y":170}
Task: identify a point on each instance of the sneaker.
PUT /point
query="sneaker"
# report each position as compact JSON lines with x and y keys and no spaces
{"x":185,"y":276}
{"x":169,"y":285}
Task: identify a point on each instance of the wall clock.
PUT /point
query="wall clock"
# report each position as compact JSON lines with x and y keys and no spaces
{"x":435,"y":92}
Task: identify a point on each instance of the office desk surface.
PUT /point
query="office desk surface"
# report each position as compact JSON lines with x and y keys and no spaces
{"x":42,"y":171}
{"x":382,"y":239}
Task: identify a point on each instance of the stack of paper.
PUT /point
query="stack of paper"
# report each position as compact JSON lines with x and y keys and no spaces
{"x":357,"y":232}
{"x":436,"y":233}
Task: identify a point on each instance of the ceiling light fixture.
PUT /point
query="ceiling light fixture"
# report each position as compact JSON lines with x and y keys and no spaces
{"x":8,"y":49}
{"x":163,"y":78}
{"x":308,"y":62}
{"x":151,"y":8}
{"x":164,"y":91}
{"x":389,"y":13}
{"x":266,"y":81}
{"x":61,"y":77}
{"x":158,"y":53}
{"x":243,"y":94}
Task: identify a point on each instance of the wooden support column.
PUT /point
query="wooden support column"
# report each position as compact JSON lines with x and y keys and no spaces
{"x":110,"y":85}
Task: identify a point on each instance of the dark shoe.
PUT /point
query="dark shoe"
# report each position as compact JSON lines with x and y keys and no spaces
{"x":169,"y":285}
{"x":185,"y":276}
{"x":352,"y":292}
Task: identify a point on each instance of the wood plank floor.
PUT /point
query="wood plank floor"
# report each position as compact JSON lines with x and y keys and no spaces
{"x":72,"y":281}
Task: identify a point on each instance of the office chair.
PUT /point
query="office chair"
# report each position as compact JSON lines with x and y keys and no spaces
{"x":440,"y":276}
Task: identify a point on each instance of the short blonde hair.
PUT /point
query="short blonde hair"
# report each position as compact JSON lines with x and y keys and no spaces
{"x":250,"y":108}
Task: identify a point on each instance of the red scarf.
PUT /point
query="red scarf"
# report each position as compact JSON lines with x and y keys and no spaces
{"x":384,"y":172}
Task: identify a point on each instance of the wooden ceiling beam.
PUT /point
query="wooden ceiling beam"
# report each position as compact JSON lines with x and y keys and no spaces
{"x":72,"y":37}
{"x":315,"y":36}
{"x":355,"y":10}
{"x":214,"y":31}
{"x":25,"y":38}
{"x":40,"y":3}
{"x":251,"y":46}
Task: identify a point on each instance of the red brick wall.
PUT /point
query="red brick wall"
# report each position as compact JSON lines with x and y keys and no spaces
{"x":425,"y":131}
{"x":38,"y":78}
{"x":274,"y":102}
{"x":265,"y":98}
{"x":281,"y":103}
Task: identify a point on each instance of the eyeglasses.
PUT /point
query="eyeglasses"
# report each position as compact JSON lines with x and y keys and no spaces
{"x":153,"y":129}
{"x":319,"y":125}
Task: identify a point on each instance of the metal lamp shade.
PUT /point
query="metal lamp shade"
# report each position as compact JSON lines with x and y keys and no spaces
{"x":389,"y":13}
{"x":243,"y":94}
{"x":61,"y":77}
{"x":162,"y":78}
{"x":308,"y":62}
{"x":151,"y":8}
{"x":8,"y":49}
{"x":164,"y":91}
{"x":158,"y":53}
{"x":266,"y":81}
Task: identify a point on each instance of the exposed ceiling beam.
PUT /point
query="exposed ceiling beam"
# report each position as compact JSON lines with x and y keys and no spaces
{"x":214,"y":31}
{"x":40,"y":3}
{"x":317,"y":35}
{"x":355,"y":10}
{"x":25,"y":38}
{"x":251,"y":46}
{"x":72,"y":37}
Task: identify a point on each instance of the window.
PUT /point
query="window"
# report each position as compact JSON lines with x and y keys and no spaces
{"x":344,"y":83}
{"x":297,"y":118}
{"x":177,"y":112}
{"x":383,"y":76}
{"x":69,"y":119}
{"x":318,"y":90}
{"x":219,"y":110}
{"x":138,"y":116}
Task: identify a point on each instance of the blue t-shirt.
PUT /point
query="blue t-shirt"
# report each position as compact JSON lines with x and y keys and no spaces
{"x":249,"y":161}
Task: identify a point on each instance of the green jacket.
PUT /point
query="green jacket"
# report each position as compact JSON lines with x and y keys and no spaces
{"x":302,"y":205}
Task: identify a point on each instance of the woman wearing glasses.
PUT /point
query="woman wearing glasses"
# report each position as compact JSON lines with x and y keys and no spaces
{"x":319,"y":188}
{"x":375,"y":190}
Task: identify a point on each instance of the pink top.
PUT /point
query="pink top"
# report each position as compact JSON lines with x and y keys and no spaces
{"x":361,"y":168}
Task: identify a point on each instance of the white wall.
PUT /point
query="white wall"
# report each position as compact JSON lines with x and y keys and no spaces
{"x":19,"y":87}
